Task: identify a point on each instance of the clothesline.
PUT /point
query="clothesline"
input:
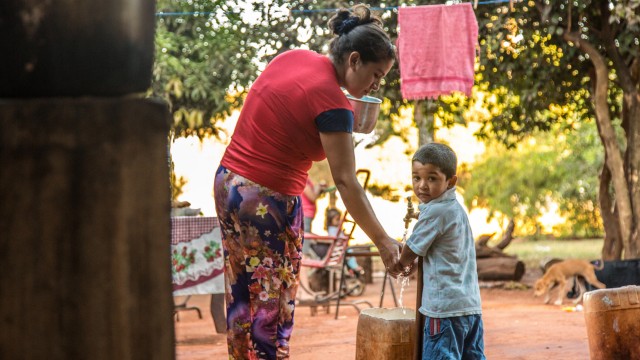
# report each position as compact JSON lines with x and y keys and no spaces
{"x":394,"y":7}
{"x":190,"y":13}
{"x":307,"y":11}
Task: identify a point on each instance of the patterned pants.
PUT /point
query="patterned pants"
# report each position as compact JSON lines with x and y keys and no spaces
{"x":262,"y":240}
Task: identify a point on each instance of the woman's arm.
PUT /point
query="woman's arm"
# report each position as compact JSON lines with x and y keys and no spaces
{"x":310,"y":192}
{"x":338,"y":146}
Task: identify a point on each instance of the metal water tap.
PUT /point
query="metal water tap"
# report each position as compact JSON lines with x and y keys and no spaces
{"x":410,"y":213}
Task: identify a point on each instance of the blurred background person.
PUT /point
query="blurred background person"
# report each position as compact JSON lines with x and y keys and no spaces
{"x":310,"y":195}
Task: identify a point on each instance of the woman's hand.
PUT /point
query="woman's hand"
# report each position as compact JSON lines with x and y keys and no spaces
{"x":390,"y":254}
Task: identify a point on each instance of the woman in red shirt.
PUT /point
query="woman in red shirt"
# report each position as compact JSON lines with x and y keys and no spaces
{"x":295,"y":113}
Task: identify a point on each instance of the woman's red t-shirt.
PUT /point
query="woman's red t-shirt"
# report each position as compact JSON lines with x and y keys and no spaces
{"x":276,"y":138}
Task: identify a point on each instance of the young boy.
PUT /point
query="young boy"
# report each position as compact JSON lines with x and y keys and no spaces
{"x":442,"y":236}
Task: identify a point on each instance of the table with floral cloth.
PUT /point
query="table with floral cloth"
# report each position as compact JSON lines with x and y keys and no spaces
{"x":197,"y":260}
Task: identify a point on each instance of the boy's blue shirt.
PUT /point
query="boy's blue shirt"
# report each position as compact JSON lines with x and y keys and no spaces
{"x":443,"y":237}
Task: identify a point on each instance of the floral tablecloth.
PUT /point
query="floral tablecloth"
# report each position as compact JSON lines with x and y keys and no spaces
{"x":197,"y":260}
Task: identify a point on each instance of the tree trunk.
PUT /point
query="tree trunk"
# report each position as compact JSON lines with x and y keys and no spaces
{"x":614,"y":160}
{"x":628,"y":79}
{"x":612,"y":247}
{"x":632,"y":169}
{"x":424,"y":123}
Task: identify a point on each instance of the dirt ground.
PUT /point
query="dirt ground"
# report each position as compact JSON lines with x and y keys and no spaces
{"x":516,"y":326}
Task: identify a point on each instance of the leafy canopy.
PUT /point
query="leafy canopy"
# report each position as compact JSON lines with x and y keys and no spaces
{"x":203,"y":63}
{"x":559,"y":167}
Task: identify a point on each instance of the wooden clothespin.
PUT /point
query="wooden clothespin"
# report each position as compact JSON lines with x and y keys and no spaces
{"x":475,"y":4}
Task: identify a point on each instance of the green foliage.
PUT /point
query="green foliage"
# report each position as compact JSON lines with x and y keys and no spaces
{"x":542,"y":79}
{"x":528,"y":78}
{"x":579,"y":162}
{"x":203,"y":63}
{"x":627,"y":11}
{"x":560,"y":167}
{"x":384,"y":191}
{"x":176,"y":183}
{"x":513,"y":183}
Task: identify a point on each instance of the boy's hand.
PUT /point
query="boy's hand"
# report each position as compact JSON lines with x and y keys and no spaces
{"x":412,"y":268}
{"x":398,"y":270}
{"x":406,"y":271}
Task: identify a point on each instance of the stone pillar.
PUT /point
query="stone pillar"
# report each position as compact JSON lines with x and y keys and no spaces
{"x":85,"y":229}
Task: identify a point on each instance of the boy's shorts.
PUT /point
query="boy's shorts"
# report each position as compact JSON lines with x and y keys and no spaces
{"x":454,"y":338}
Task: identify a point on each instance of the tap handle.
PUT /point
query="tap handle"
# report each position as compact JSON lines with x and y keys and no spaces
{"x":410,"y":213}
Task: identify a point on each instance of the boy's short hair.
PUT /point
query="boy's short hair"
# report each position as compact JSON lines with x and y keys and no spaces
{"x":439,"y":155}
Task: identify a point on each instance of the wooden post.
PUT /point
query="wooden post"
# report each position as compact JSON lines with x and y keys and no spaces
{"x":419,"y":317}
{"x":84,"y":230}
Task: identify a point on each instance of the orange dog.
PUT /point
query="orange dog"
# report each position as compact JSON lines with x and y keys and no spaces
{"x":558,"y":273}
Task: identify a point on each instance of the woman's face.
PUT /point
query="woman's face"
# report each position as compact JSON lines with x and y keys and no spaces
{"x":361,"y":79}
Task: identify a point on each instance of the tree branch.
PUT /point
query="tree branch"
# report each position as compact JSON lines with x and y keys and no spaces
{"x":608,"y":39}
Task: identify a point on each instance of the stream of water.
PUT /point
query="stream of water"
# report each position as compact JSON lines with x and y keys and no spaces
{"x":403,"y":280}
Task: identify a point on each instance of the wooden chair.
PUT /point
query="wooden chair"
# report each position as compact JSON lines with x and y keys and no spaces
{"x":333,"y":258}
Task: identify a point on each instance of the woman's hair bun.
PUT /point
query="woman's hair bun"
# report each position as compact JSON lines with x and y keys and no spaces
{"x":347,"y":25}
{"x":358,"y":30}
{"x":346,"y":20}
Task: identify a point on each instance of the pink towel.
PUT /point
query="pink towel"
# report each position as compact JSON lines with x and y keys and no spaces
{"x":436,"y":46}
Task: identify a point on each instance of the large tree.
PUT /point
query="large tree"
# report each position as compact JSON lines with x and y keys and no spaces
{"x":573,"y":60}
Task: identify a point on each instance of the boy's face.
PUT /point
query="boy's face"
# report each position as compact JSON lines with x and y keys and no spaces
{"x":429,"y":181}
